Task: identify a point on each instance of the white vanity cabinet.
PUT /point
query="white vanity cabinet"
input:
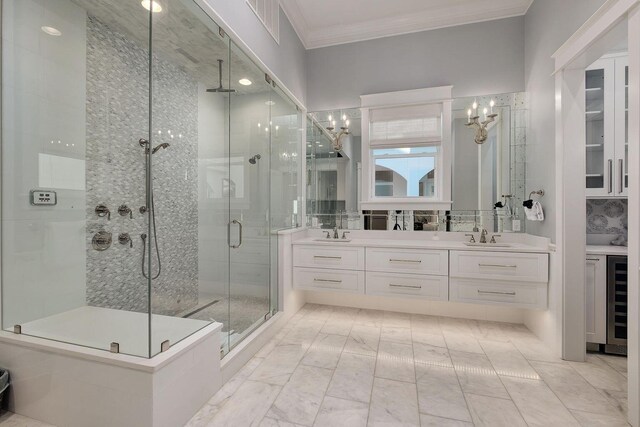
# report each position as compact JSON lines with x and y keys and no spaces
{"x":403,"y":272}
{"x":606,"y":118}
{"x":322,"y":267}
{"x":494,"y":277}
{"x":514,"y":279}
{"x":596,"y":298}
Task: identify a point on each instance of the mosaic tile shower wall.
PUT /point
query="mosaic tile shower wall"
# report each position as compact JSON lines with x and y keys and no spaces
{"x":607,"y":216}
{"x":117,"y":117}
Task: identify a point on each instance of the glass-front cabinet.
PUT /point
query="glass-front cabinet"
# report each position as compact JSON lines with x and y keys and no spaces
{"x":606,"y":117}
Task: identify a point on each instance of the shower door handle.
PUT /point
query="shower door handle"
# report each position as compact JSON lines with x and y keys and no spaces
{"x":235,"y":221}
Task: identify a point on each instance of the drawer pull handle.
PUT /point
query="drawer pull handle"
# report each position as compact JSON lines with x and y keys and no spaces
{"x":416,"y":261}
{"x":327,"y":281}
{"x":593,"y":259}
{"x":498,"y":265}
{"x":511,"y":294}
{"x":405,"y":286}
{"x":327,"y":257}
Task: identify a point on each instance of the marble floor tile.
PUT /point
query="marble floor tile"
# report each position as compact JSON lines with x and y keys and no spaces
{"x":272,"y":422}
{"x":302,"y":334}
{"x":476,"y":375}
{"x":393,"y":403}
{"x":507,"y":360}
{"x":431,"y":421}
{"x":371,"y":318}
{"x":397,"y":320}
{"x":426,"y":355}
{"x":494,"y":412}
{"x":342,"y":413}
{"x":600,"y":374}
{"x":439,"y":394}
{"x":426,"y":324}
{"x":462,"y":342}
{"x":533,"y":349}
{"x":618,"y":363}
{"x":422,"y":337}
{"x":395,"y":334}
{"x":353,"y":378}
{"x":279,"y":365}
{"x":325,"y":351}
{"x":302,"y":396}
{"x":589,"y":419}
{"x":617,"y":398}
{"x":9,"y":419}
{"x":247,"y":406}
{"x":573,"y":390}
{"x":395,"y":361}
{"x":337,"y":326}
{"x":538,"y":405}
{"x":484,"y":330}
{"x":455,"y":325}
{"x":363,"y":340}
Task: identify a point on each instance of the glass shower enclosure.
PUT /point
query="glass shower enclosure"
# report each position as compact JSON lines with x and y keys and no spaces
{"x":147,"y":164}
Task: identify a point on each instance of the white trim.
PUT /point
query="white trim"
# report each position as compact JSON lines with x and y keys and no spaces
{"x":442,"y":95}
{"x":605,"y":18}
{"x":413,"y":22}
{"x":633,"y":332}
{"x":273,"y":26}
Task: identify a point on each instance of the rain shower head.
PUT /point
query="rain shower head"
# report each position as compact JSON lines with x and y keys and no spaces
{"x":158,"y":147}
{"x":255,"y":159}
{"x":220,"y":89}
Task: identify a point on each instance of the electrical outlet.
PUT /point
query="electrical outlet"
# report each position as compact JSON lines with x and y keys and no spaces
{"x":516,"y":225}
{"x":43,"y":198}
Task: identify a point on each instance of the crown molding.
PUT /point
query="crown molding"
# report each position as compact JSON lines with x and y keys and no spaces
{"x":403,"y":24}
{"x":296,"y":18}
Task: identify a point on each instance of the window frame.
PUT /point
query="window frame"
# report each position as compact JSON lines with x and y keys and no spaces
{"x":436,"y":161}
{"x":429,"y":97}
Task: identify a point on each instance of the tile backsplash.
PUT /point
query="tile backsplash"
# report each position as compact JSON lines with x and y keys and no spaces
{"x":607,"y":216}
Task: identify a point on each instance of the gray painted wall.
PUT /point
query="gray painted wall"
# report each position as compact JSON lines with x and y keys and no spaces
{"x":548,"y":24}
{"x":286,"y":60}
{"x":477,"y":59}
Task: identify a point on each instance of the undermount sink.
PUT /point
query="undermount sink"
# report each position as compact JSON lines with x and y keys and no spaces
{"x":489,"y":245}
{"x":332,"y":240}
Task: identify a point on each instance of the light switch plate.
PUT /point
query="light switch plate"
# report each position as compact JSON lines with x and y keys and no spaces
{"x":516,"y":225}
{"x":43,"y":197}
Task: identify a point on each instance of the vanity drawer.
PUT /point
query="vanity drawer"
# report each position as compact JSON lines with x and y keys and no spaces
{"x":325,"y":279}
{"x":408,"y":261}
{"x":531,"y":295}
{"x":415,"y":285}
{"x":334,"y":257}
{"x":514,"y":267}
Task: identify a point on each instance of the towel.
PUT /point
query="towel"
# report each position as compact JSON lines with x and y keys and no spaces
{"x":535,"y":213}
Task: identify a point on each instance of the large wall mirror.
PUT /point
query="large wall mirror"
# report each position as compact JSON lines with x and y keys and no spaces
{"x":488,"y":179}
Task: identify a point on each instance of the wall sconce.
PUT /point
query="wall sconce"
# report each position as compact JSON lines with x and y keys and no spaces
{"x":480,"y":127}
{"x":337,"y":136}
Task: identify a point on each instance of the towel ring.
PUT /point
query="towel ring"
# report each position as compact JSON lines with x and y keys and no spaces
{"x":539,"y":193}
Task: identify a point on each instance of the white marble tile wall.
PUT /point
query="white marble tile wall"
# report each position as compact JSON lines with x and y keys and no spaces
{"x":337,"y":366}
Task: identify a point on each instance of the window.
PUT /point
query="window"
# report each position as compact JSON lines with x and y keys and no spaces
{"x":408,"y":165}
{"x":268,"y":11}
{"x":405,"y":172}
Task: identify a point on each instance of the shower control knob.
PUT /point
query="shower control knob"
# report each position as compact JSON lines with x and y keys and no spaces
{"x":101,"y":241}
{"x":124,"y":238}
{"x":102,"y":210}
{"x":125,"y":210}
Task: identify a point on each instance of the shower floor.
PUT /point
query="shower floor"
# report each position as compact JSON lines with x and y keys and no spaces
{"x":98,"y":327}
{"x":245,"y":311}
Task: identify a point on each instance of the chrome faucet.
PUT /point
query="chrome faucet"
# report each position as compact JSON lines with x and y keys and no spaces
{"x":335,"y":233}
{"x":483,"y":236}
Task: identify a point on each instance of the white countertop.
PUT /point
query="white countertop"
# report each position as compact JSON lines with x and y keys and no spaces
{"x":606,"y":250}
{"x":421,"y":244}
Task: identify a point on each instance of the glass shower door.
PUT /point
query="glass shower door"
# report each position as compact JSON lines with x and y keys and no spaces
{"x":248,"y":189}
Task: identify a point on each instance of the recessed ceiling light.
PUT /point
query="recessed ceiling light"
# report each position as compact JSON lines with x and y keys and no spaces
{"x":51,"y":31}
{"x":270,"y":103}
{"x":244,"y":82}
{"x":152,"y":5}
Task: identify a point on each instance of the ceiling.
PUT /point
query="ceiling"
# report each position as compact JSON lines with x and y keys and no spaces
{"x":331,"y":22}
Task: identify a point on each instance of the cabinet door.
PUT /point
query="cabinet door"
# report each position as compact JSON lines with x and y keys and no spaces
{"x":622,"y":126}
{"x":596,"y":298}
{"x":600,"y":130}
